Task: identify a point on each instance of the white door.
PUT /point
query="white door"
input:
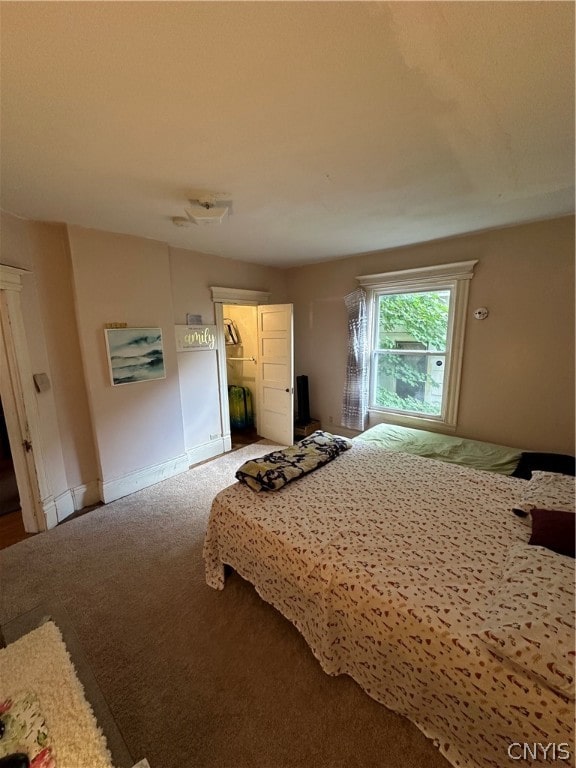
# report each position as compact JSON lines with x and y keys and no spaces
{"x":275,"y":373}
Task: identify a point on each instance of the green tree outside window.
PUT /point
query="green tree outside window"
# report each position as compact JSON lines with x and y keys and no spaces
{"x":409,"y":324}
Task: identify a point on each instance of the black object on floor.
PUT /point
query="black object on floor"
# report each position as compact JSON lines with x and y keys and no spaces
{"x":17,"y":760}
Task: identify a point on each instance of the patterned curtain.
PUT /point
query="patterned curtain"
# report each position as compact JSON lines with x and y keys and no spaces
{"x":355,"y":402}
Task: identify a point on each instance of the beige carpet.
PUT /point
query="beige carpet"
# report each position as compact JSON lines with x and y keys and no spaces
{"x":197,"y":678}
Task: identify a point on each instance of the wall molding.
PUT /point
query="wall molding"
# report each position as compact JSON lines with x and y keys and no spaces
{"x":110,"y":490}
{"x":85,"y":495}
{"x":222,"y":372}
{"x":58,"y":508}
{"x":239,"y":296}
{"x":10,"y":277}
{"x":64,"y":505}
{"x":50,"y":510}
{"x":209,"y":450}
{"x":459,"y":270}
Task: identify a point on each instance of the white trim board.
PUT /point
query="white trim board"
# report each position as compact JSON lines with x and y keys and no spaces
{"x":459,"y":270}
{"x":110,"y":490}
{"x":209,"y":450}
{"x":50,"y":510}
{"x":10,"y":277}
{"x":69,"y":501}
{"x":64,"y":504}
{"x":85,"y":495}
{"x":222,"y":374}
{"x":239,"y":296}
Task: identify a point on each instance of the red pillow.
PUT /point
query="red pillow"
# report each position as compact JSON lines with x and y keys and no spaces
{"x":554,"y":530}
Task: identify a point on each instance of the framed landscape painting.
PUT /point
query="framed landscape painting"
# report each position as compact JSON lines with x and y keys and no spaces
{"x":135,"y":354}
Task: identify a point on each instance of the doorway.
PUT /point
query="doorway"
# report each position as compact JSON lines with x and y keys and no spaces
{"x":274,"y":363}
{"x":241,"y":342}
{"x":20,"y":410}
{"x":9,"y":496}
{"x":11,"y":523}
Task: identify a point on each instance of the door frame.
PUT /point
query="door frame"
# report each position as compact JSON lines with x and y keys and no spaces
{"x":221,"y":296}
{"x":20,"y":407}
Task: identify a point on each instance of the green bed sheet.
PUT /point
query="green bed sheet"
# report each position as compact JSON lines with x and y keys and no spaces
{"x":457,"y":450}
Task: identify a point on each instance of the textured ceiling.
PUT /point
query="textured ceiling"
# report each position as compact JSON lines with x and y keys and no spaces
{"x":335,"y":127}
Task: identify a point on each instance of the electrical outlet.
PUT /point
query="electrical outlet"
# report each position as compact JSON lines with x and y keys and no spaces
{"x":214,"y":437}
{"x":330,"y":420}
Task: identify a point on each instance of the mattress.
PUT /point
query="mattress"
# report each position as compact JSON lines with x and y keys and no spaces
{"x":489,"y":457}
{"x":388,"y":563}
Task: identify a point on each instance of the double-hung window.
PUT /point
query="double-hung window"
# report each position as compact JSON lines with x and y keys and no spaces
{"x":417,"y":322}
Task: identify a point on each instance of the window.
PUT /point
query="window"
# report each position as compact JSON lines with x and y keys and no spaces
{"x":417,"y":320}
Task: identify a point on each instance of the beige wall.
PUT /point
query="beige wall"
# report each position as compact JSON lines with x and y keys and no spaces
{"x":53,"y":272}
{"x":15,"y":241}
{"x":193,"y":274}
{"x":49,"y":319}
{"x":83,"y":279}
{"x":122,"y":279}
{"x":145,"y":283}
{"x":518,"y":370}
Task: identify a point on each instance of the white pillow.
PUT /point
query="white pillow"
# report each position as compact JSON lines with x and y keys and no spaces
{"x":547,"y":490}
{"x":531,"y":619}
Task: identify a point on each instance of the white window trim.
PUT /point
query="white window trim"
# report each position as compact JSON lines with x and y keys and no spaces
{"x":455,"y":277}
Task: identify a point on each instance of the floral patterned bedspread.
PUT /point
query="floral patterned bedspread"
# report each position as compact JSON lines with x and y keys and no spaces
{"x":388,"y":564}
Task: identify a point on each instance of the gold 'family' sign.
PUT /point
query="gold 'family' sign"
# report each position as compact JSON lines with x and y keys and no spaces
{"x":190,"y":337}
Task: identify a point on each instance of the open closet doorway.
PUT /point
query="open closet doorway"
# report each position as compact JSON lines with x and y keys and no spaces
{"x":263,"y":353}
{"x":241,"y":343}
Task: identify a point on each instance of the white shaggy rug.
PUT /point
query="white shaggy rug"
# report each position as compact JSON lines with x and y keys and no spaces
{"x":39,"y":663}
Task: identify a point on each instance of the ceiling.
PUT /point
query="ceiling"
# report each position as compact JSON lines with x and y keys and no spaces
{"x":335,"y":127}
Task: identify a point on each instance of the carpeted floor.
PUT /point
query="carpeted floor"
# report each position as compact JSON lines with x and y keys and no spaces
{"x":197,"y":678}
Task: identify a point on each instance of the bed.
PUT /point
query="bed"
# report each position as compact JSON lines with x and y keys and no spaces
{"x":413,"y":576}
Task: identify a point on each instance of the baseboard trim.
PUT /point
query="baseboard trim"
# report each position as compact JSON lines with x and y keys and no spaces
{"x":58,"y":508}
{"x":206,"y":451}
{"x":110,"y":490}
{"x":64,"y":504}
{"x":50,"y":511}
{"x":85,"y":495}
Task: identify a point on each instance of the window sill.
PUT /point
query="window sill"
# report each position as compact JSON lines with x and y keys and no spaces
{"x":404,"y":420}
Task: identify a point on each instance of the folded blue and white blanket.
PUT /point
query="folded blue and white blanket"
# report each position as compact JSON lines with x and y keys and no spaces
{"x":274,"y":470}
